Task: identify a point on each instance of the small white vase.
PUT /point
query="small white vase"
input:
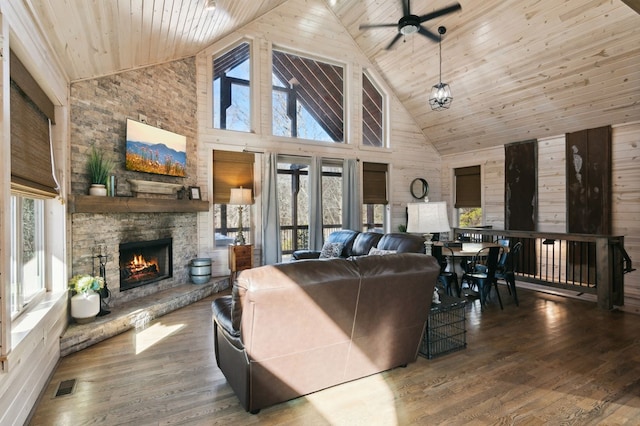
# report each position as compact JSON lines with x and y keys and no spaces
{"x":98,"y":189}
{"x":85,"y":306}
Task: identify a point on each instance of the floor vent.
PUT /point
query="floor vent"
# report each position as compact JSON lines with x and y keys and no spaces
{"x":66,"y":387}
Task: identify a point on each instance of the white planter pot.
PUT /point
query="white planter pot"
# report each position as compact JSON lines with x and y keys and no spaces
{"x":98,"y":189}
{"x":85,"y":307}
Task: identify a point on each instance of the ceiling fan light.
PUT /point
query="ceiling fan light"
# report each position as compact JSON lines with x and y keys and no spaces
{"x":409,"y":29}
{"x":210,"y":5}
{"x":440,"y":97}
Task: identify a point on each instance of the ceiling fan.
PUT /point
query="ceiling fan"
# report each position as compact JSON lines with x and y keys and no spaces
{"x":410,"y":24}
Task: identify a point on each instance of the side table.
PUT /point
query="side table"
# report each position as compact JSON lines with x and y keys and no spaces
{"x":446,"y":328}
{"x":240,"y":258}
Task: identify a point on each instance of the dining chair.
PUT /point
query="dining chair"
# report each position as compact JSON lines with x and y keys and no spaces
{"x":448,"y":279}
{"x":506,"y":270}
{"x":482,"y":272}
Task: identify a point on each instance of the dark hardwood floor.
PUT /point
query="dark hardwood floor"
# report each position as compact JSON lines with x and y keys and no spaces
{"x":551,"y":361}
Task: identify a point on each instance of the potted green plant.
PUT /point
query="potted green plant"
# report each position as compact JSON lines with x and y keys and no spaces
{"x":99,"y":169}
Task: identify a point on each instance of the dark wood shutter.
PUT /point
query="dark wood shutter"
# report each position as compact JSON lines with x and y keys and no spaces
{"x":589,"y":181}
{"x":231,"y":170}
{"x":31,"y":109}
{"x":374,"y":183}
{"x":521,"y":185}
{"x":468,"y":193}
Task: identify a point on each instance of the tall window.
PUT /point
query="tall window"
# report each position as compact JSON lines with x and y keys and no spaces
{"x":374,"y":196}
{"x":27,"y":251}
{"x":231,"y":170}
{"x":293,"y":199}
{"x":32,"y":181}
{"x":468,"y":196}
{"x":232,"y":89}
{"x":308,"y":98}
{"x":331,"y":197}
{"x":372,"y":114}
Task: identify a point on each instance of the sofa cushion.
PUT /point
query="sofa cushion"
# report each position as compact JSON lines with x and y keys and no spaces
{"x":330,"y":250}
{"x":346,"y":237}
{"x":364,"y":242}
{"x":402,"y":242}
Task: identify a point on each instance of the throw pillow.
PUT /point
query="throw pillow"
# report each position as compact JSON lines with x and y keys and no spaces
{"x":331,"y":250}
{"x":379,"y":252}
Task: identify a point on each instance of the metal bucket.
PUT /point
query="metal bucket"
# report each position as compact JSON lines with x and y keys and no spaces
{"x":200,"y":270}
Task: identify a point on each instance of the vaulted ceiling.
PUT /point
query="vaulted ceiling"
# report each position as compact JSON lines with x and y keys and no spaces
{"x":518,"y":69}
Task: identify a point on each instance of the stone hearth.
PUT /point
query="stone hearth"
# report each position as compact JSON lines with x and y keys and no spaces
{"x":136,"y":314}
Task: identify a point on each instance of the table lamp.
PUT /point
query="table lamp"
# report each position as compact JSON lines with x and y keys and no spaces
{"x":427,"y":218}
{"x":240,"y":197}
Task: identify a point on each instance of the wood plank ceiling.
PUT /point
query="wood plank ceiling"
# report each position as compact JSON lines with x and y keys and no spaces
{"x":518,"y":69}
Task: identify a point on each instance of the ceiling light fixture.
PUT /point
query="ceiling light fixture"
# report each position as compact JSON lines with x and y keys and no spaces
{"x":440,"y":93}
{"x":210,"y":5}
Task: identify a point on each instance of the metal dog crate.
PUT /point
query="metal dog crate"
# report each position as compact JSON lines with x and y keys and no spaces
{"x":446,"y":329}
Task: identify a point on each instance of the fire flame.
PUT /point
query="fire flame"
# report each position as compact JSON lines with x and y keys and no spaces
{"x":139,"y":263}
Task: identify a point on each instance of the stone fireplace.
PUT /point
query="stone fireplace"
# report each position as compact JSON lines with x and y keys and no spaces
{"x":145,"y":262}
{"x":117,"y":231}
{"x":99,"y":109}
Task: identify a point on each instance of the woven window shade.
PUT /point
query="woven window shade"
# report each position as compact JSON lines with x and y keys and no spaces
{"x":374,"y":183}
{"x":231,"y":170}
{"x":468,"y":192}
{"x":31,"y":170}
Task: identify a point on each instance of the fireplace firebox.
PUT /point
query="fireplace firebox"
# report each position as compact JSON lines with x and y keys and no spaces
{"x":145,"y":262}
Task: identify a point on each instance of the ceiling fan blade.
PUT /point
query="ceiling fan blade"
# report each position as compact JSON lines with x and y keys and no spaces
{"x":406,"y":7}
{"x":425,"y":32}
{"x":395,"y":39}
{"x":437,"y":13}
{"x":366,"y":26}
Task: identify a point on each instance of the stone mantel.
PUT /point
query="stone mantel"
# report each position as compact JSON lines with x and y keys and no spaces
{"x":93,"y":204}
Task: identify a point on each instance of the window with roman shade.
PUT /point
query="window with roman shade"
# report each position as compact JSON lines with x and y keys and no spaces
{"x":31,"y":110}
{"x":468,"y":193}
{"x":374,"y":183}
{"x":231,"y":170}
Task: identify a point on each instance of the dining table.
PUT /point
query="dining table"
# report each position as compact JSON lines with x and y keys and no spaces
{"x":460,"y":253}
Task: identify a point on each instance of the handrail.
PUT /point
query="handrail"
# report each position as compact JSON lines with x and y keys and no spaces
{"x":626,"y":259}
{"x":585,"y":263}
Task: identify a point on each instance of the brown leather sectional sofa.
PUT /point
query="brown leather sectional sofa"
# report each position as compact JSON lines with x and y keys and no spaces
{"x":294,"y":328}
{"x":355,"y":243}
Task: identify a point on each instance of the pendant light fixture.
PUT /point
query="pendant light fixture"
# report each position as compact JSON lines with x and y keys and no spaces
{"x":440,"y":93}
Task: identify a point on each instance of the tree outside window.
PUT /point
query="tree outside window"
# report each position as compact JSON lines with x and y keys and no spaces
{"x":470,"y":217}
{"x":27,"y":251}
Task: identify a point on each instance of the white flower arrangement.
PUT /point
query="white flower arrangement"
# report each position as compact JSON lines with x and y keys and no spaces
{"x":85,"y":283}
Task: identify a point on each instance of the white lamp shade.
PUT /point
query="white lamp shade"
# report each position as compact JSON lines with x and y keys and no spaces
{"x":427,"y":218}
{"x":240,"y":196}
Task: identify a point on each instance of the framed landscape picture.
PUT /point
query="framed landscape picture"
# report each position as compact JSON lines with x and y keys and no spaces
{"x":153,"y":150}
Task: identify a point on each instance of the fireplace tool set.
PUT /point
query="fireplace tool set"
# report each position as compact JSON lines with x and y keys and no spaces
{"x":101,"y":255}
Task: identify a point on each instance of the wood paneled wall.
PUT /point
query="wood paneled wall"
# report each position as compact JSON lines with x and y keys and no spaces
{"x":552,"y":210}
